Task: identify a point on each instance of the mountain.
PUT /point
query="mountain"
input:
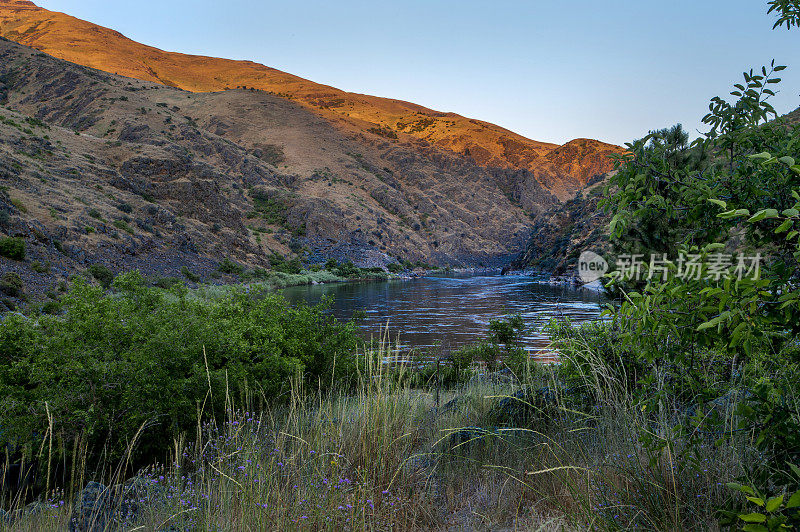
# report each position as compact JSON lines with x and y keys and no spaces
{"x":562,"y":170}
{"x":166,"y":174}
{"x":101,"y":169}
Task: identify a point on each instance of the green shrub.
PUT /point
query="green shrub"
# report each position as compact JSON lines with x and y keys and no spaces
{"x":123,"y":225}
{"x":52,"y":307}
{"x":102,"y":274}
{"x":193,"y":277}
{"x":39,"y":267}
{"x":19,"y":205}
{"x":12,"y":285}
{"x":4,"y":217}
{"x":395,"y":267}
{"x":12,"y":248}
{"x":229,"y":267}
{"x":143,"y":355}
{"x":347,"y":269}
{"x":166,"y":282}
{"x":271,"y":208}
{"x":280,"y":264}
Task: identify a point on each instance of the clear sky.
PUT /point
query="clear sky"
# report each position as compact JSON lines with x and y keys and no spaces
{"x":550,"y":70}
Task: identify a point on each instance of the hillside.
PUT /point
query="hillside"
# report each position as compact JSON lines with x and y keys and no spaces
{"x":562,"y":170}
{"x":561,"y":233}
{"x":101,"y":169}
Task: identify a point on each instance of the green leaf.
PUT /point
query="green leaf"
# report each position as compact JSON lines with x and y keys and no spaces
{"x":794,"y":500}
{"x":762,"y":214}
{"x":733,"y":214}
{"x":785,"y":226}
{"x":721,"y":203}
{"x":750,"y":527}
{"x":774,"y":503}
{"x":790,"y":212}
{"x":758,"y":501}
{"x":787,"y":160}
{"x":740,"y":487}
{"x":753,"y":518}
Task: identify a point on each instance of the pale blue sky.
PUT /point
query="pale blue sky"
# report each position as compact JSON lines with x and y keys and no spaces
{"x":549,"y":70}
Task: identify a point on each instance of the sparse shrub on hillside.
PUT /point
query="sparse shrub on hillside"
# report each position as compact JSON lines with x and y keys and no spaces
{"x":270,"y":153}
{"x":166,"y":282}
{"x":4,"y":217}
{"x":19,"y":205}
{"x":125,"y":207}
{"x":123,"y":225}
{"x":39,"y":267}
{"x":383,"y":132}
{"x":51,"y":307}
{"x":12,"y":248}
{"x":102,"y":274}
{"x":395,"y":267}
{"x":347,"y":269}
{"x":193,"y":277}
{"x":272,"y":209}
{"x":12,"y":285}
{"x":229,"y":267}
{"x":280,"y":264}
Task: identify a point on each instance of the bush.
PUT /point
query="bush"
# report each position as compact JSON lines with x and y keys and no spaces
{"x":123,"y":225}
{"x":280,"y":264}
{"x":144,"y":355}
{"x":191,"y":276}
{"x":102,"y":274}
{"x":52,"y":307}
{"x":347,"y":269}
{"x":11,"y":284}
{"x":166,"y":282}
{"x":38,"y":267}
{"x":12,"y":248}
{"x":395,"y":267}
{"x":229,"y":267}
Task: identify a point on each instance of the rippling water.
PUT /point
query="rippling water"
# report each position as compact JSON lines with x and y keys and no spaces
{"x":453,"y":310}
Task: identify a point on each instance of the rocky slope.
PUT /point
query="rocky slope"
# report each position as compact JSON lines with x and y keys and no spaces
{"x":561,"y":233}
{"x":561,"y":170}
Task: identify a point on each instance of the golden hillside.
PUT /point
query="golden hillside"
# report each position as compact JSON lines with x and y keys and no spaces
{"x":561,"y":169}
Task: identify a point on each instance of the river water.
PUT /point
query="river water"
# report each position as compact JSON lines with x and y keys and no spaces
{"x":454,"y":310}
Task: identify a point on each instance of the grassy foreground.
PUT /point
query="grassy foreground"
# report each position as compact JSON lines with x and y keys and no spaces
{"x":493,"y":455}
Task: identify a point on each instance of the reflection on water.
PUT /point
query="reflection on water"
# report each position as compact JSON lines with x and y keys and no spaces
{"x":454,"y":310}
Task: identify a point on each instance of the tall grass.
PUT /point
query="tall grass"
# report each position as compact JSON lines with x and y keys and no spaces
{"x":386,"y":457}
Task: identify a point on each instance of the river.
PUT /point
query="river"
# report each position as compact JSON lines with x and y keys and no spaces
{"x":454,"y":310}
